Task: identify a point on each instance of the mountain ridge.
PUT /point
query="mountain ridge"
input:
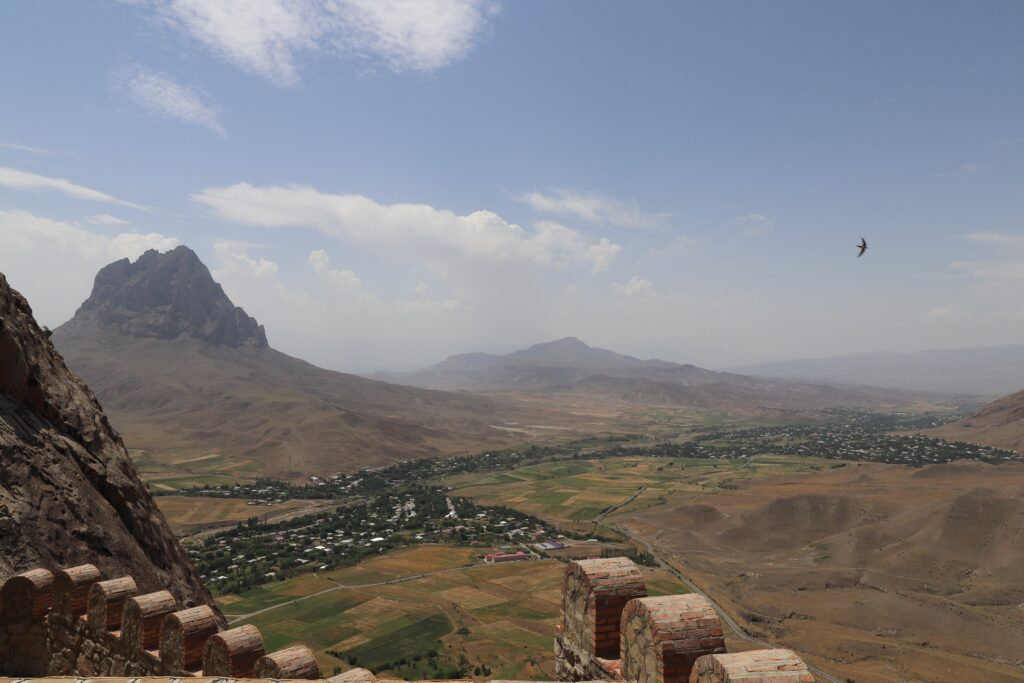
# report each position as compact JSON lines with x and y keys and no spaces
{"x":571,"y":365}
{"x":983,"y":370}
{"x":178,"y":365}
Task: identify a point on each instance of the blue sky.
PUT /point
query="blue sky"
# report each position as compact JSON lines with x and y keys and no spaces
{"x":382,"y":183}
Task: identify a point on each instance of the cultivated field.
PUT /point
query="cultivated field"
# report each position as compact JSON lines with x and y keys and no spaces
{"x":572,"y":493}
{"x":172,"y":469}
{"x":502,"y":616}
{"x":188,"y":515}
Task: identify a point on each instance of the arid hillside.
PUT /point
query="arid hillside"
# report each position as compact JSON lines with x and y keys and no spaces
{"x":178,"y":366}
{"x":69,"y":493}
{"x":883,"y":572}
{"x":1000,"y":423}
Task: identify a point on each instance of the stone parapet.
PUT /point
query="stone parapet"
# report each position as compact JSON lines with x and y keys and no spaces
{"x":663,"y":637}
{"x":666,"y":639}
{"x":758,"y":666}
{"x":75,"y":623}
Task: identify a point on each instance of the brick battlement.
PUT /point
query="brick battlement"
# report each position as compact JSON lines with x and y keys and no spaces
{"x":76,"y":623}
{"x":612,"y":631}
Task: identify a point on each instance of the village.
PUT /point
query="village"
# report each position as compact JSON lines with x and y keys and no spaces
{"x":390,"y":507}
{"x":254,"y":553}
{"x":853,"y":435}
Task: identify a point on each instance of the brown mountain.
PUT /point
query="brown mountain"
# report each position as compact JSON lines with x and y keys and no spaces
{"x":69,"y":493}
{"x":1000,"y":423}
{"x":571,"y":366}
{"x":178,"y":366}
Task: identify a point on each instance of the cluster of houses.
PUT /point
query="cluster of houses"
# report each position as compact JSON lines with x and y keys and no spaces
{"x":256,"y":553}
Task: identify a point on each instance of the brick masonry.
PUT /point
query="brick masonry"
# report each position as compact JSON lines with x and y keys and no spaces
{"x":76,"y":623}
{"x":667,"y":639}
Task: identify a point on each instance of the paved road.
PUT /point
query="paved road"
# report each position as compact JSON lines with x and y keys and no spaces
{"x":235,"y":618}
{"x":730,"y":622}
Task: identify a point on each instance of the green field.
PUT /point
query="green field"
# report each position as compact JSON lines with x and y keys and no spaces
{"x":175,"y":469}
{"x":499,"y":615}
{"x":574,"y":493}
{"x":187,"y":514}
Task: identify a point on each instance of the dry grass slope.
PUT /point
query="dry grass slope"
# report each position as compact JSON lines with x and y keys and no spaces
{"x":878,"y":572}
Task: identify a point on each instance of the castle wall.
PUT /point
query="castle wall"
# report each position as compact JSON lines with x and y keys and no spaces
{"x":75,"y":623}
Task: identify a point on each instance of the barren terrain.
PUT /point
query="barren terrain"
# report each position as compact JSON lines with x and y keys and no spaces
{"x":876,"y":572}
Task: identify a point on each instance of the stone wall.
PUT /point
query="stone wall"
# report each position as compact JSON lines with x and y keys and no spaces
{"x":75,"y":623}
{"x":612,"y":631}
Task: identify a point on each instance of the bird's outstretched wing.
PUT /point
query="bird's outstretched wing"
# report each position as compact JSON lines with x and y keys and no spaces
{"x":863,"y":246}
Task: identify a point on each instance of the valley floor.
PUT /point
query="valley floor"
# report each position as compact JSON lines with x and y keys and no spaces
{"x":872,"y":571}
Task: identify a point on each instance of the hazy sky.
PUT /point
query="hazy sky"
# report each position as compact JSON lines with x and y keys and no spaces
{"x":384,"y":182}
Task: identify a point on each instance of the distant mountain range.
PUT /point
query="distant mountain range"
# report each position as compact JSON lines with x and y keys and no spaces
{"x":178,"y":366}
{"x":571,"y":366}
{"x":984,"y":371}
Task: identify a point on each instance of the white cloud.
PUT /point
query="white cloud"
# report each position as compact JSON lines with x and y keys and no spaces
{"x":159,"y":94}
{"x":594,"y":208}
{"x":23,"y":180}
{"x":1000,"y":239}
{"x":478,"y":235}
{"x":266,"y":37}
{"x":39,"y":252}
{"x":106,"y":219}
{"x":992,"y":270}
{"x":1007,"y":266}
{"x":342,"y":279}
{"x":234,"y":259}
{"x":636,"y":287}
{"x":941,"y":312}
{"x":677,"y":246}
{"x":23,"y":229}
{"x":412,"y":35}
{"x":757,"y":224}
{"x":39,"y":151}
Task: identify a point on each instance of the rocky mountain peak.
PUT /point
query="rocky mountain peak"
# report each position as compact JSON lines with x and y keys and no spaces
{"x":164,"y":296}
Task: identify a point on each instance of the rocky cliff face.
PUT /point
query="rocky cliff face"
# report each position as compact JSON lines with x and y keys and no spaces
{"x":69,"y":494}
{"x":164,"y":296}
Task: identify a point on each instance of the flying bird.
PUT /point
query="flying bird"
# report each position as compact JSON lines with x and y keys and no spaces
{"x":863,"y":246}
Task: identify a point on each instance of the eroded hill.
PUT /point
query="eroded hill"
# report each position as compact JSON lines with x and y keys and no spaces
{"x":892,"y":573}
